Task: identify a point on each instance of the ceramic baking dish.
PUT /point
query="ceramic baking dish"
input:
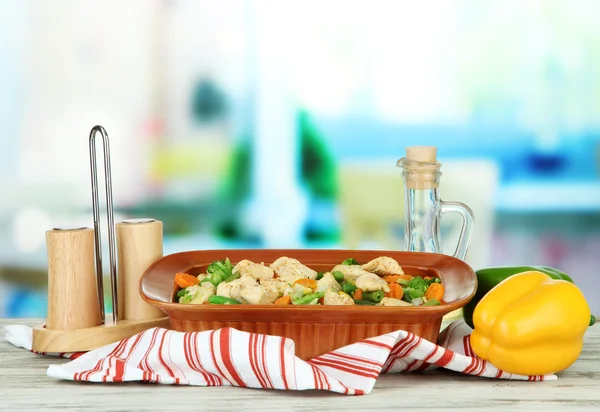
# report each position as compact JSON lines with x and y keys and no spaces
{"x":314,"y":329}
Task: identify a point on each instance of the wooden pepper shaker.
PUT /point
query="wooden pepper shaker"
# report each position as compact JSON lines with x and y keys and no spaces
{"x":139,"y":244}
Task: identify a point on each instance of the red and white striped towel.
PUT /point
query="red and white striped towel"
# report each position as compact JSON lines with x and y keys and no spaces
{"x":228,"y":357}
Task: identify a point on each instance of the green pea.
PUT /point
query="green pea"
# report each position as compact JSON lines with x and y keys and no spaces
{"x":348,"y":287}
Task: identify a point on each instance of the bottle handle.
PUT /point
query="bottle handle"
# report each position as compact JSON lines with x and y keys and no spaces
{"x":467,"y":224}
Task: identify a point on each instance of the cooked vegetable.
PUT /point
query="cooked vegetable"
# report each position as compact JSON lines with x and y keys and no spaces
{"x":364,"y":302}
{"x":284,"y":300}
{"x":396,"y":291}
{"x":348,"y":287}
{"x":305,"y":300}
{"x":221,"y":300}
{"x":212,"y":279}
{"x":183,"y":280}
{"x":309,"y":283}
{"x":196,"y":294}
{"x":396,"y":278}
{"x":488,"y":278}
{"x":415,"y":288}
{"x":374,"y":296}
{"x":435,"y":291}
{"x":288,"y":281}
{"x":531,"y":324}
{"x":339,"y":276}
{"x":222,"y":269}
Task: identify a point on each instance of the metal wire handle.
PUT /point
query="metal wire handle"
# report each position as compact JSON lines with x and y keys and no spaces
{"x":111,"y":224}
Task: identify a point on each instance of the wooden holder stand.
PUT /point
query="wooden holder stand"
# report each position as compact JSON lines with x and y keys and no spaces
{"x":76,"y":319}
{"x":86,"y":339}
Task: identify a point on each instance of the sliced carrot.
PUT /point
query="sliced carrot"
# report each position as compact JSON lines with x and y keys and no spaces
{"x":357,"y":294}
{"x":396,"y":291}
{"x":183,"y":280}
{"x":309,"y":283}
{"x":284,"y":300}
{"x":435,"y":291}
{"x":394,"y":278}
{"x":391,"y":278}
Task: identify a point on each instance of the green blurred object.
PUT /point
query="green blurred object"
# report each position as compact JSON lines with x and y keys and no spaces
{"x":489,"y":277}
{"x":318,"y":171}
{"x":208,"y":102}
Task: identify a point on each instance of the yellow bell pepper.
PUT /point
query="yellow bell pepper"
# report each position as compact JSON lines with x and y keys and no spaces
{"x":531,"y":324}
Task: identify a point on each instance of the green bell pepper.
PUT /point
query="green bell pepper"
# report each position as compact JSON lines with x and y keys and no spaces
{"x":489,"y":277}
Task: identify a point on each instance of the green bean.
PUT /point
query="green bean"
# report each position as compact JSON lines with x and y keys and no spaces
{"x":339,"y":276}
{"x":374,"y":296}
{"x":308,"y":298}
{"x":365,"y":303}
{"x":222,"y":300}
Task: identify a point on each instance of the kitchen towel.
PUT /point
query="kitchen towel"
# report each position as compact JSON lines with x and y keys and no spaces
{"x":229,"y":357}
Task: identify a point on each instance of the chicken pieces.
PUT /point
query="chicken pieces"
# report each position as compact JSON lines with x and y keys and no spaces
{"x":328,"y":282}
{"x":393,"y":302}
{"x":275,"y":285}
{"x":337,"y":298}
{"x":383,"y":265}
{"x":351,"y":272}
{"x":234,"y":288}
{"x":258,"y":295}
{"x":290,"y":270}
{"x":260,"y":284}
{"x":257,"y":271}
{"x":371,"y":282}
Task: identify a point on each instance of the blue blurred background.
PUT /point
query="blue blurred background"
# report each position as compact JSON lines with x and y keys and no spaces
{"x":267,"y":124}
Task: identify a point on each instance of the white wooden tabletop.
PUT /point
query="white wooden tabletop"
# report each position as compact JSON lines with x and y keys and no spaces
{"x":24,"y":386}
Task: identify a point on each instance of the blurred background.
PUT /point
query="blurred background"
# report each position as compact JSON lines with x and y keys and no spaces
{"x":276,"y":124}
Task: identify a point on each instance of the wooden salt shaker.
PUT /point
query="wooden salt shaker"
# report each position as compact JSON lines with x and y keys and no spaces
{"x":72,"y":290}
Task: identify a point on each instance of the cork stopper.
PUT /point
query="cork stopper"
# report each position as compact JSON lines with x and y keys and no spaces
{"x":421,"y":169}
{"x":425,"y":154}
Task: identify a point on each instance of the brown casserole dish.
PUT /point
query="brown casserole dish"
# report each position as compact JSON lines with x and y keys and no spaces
{"x":315,"y":329}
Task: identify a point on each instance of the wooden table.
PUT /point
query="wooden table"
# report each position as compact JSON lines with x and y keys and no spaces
{"x":24,"y":386}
